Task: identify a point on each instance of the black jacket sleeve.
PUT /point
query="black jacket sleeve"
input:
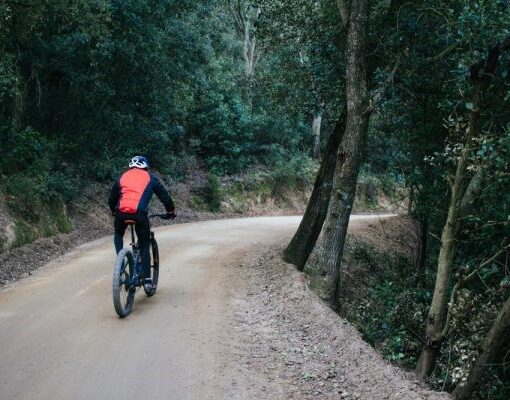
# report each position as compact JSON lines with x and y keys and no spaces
{"x":162,"y":194}
{"x":113,"y":200}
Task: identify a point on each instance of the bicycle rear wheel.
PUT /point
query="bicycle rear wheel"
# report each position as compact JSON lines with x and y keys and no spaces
{"x":151,"y":291}
{"x":123,"y":292}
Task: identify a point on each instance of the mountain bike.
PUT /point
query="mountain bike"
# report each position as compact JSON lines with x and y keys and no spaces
{"x":127,"y":272}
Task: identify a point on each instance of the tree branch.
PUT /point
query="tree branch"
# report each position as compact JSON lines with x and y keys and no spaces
{"x":240,"y":14}
{"x":379,"y":93}
{"x":460,"y":283}
{"x":443,"y":54}
{"x":489,"y":66}
{"x":237,"y":15}
{"x":473,"y":190}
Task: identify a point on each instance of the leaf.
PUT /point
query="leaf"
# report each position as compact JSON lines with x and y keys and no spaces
{"x":469,"y":106}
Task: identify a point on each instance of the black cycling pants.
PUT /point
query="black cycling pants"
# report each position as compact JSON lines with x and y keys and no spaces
{"x":143,"y":231}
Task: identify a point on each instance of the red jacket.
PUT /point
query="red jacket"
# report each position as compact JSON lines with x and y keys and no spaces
{"x":132,"y":192}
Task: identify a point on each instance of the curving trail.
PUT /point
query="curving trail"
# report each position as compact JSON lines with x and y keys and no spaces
{"x":60,"y":337}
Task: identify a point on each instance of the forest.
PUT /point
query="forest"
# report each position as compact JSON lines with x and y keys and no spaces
{"x":322,"y":94}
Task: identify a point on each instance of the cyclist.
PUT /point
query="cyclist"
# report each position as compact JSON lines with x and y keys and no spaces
{"x":129,"y":200}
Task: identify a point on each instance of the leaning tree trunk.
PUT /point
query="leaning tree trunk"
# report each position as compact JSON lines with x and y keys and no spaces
{"x":436,"y":327}
{"x":497,"y":338}
{"x":324,"y":262}
{"x":302,"y":243}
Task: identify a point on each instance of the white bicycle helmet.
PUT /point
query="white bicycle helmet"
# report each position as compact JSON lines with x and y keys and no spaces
{"x":139,"y":162}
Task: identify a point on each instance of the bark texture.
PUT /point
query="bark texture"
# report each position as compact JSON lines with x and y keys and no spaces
{"x":436,"y":326}
{"x":302,"y":243}
{"x":316,"y":136}
{"x":497,"y":339}
{"x":324,"y":262}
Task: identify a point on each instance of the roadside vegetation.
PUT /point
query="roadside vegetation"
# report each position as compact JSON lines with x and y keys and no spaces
{"x":247,"y":107}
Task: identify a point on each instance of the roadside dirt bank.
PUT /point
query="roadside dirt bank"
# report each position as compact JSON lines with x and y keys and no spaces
{"x":301,"y":348}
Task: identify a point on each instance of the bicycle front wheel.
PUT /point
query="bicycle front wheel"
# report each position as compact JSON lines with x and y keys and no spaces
{"x":123,"y":292}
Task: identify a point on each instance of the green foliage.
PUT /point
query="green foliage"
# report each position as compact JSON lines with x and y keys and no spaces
{"x":295,"y":173}
{"x":22,"y":200}
{"x":426,"y":97}
{"x":78,"y":88}
{"x":28,"y":195}
{"x":57,"y":186}
{"x":213,"y":193}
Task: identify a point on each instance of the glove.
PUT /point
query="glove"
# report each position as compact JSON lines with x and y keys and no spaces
{"x":171,"y":215}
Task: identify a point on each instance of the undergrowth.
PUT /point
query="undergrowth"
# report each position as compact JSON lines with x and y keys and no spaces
{"x":382,"y":297}
{"x":372,"y":188}
{"x":271,"y":186}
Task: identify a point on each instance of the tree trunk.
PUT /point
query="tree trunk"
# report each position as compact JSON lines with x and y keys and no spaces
{"x":436,"y":328}
{"x":302,"y":243}
{"x":496,"y":340}
{"x":316,"y":136}
{"x":249,"y":49}
{"x":325,"y":260}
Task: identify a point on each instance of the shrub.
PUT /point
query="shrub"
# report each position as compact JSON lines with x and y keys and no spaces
{"x":210,"y":195}
{"x":297,"y":173}
{"x":28,"y":150}
{"x":22,"y":197}
{"x":24,"y":233}
{"x":58,"y":186}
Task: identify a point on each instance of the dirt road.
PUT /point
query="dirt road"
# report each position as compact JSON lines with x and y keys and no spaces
{"x":61,"y":339}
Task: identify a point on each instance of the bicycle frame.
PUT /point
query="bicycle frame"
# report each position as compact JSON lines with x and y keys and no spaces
{"x":133,"y":242}
{"x":135,"y":249}
{"x":134,"y":245}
